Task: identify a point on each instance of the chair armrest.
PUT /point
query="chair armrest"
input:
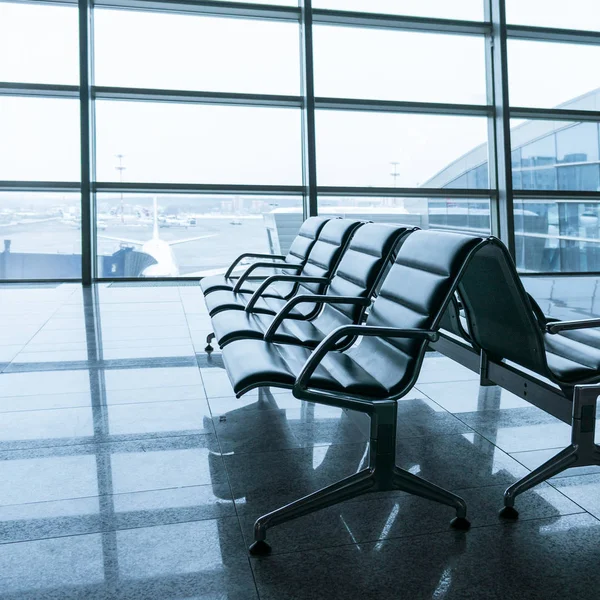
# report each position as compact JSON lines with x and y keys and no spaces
{"x":558,"y":326}
{"x":251,"y":255}
{"x":316,"y":299}
{"x":274,"y":278}
{"x":260,"y":265}
{"x":359,"y":330}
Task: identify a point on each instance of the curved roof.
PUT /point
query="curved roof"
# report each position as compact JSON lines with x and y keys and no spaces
{"x":524,"y":133}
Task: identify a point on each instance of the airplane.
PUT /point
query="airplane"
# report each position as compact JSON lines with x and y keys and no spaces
{"x":159,"y":250}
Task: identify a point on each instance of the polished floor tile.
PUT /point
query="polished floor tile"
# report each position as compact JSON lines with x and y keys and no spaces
{"x":530,"y":561}
{"x":130,"y":470}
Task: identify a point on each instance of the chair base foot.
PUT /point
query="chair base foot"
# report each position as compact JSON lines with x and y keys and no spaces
{"x":509,"y":513}
{"x":460,"y":523}
{"x":260,"y":548}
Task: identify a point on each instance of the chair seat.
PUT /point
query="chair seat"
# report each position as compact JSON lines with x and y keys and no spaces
{"x":231,"y":325}
{"x":574,"y":356}
{"x":253,"y":363}
{"x":220,"y":282}
{"x":226,"y":300}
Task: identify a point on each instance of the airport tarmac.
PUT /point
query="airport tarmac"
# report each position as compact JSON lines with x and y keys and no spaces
{"x":217,"y":251}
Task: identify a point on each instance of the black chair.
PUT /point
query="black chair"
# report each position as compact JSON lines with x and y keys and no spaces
{"x":369,"y":376}
{"x":354,"y":281}
{"x":505,"y":324}
{"x":313,"y":276}
{"x":297,"y":255}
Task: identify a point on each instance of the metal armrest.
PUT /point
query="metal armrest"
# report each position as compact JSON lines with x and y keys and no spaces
{"x":558,"y":326}
{"x":358,"y":330}
{"x":316,"y":299}
{"x":274,"y":278}
{"x":251,"y":255}
{"x":260,"y":265}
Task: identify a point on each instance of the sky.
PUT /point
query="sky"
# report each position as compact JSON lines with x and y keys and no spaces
{"x":164,"y":142}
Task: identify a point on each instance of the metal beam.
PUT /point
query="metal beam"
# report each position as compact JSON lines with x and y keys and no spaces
{"x":309,"y":143}
{"x":39,"y":186}
{"x":554,"y":114}
{"x":502,"y":208}
{"x":398,"y":22}
{"x":472,"y":110}
{"x":553,"y":34}
{"x":400,"y":192}
{"x":198,"y":188}
{"x":208,"y":7}
{"x":10,"y":88}
{"x":87,"y":141}
{"x":195,"y":97}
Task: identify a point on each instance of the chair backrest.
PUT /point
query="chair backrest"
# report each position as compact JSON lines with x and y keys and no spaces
{"x":371,"y":250}
{"x":327,"y":251}
{"x":304,"y":240}
{"x":500,"y":316}
{"x":413,"y":295}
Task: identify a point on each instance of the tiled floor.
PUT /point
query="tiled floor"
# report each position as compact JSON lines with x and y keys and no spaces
{"x":129,"y":470}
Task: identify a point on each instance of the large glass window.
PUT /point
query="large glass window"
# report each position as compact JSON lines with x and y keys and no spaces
{"x":556,"y":155}
{"x":460,"y":9}
{"x":453,"y":214}
{"x":381,"y":149}
{"x":39,"y":139}
{"x":38,"y":44}
{"x":187,"y":52}
{"x":191,"y":143}
{"x":398,"y":65}
{"x":40,"y":235}
{"x":553,"y":236}
{"x":170,"y":235}
{"x":576,"y":14}
{"x":550,"y":74}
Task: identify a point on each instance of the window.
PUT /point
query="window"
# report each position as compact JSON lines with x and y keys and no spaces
{"x":382,"y":149}
{"x":460,"y":9}
{"x":559,"y":236}
{"x":398,"y":65}
{"x":38,"y":44}
{"x":39,"y":139}
{"x":188,"y":52}
{"x":195,"y":235}
{"x":192,"y":143}
{"x":40,"y":235}
{"x":549,"y":74}
{"x":576,"y":14}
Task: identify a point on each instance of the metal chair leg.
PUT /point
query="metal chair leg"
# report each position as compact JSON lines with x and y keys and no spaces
{"x":555,"y":465}
{"x":350,"y":487}
{"x":209,"y":338}
{"x":407,"y":482}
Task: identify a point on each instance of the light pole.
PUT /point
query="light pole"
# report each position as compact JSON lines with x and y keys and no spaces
{"x":395,"y":174}
{"x":121,"y":168}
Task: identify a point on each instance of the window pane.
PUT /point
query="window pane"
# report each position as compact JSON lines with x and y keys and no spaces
{"x":576,"y":14}
{"x":398,"y":65}
{"x":566,"y":298}
{"x":546,"y":75}
{"x":557,"y":236}
{"x":195,"y":235}
{"x":164,"y":142}
{"x":404,"y":150}
{"x":454,"y":214}
{"x":460,"y":9}
{"x":171,"y":51}
{"x":38,"y":44}
{"x":556,"y":155}
{"x":40,"y":235}
{"x":39,"y":139}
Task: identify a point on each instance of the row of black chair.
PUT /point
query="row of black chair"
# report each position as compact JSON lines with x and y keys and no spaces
{"x":465,"y":284}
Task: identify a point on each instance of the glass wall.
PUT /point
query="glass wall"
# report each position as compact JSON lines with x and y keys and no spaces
{"x":214,"y":126}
